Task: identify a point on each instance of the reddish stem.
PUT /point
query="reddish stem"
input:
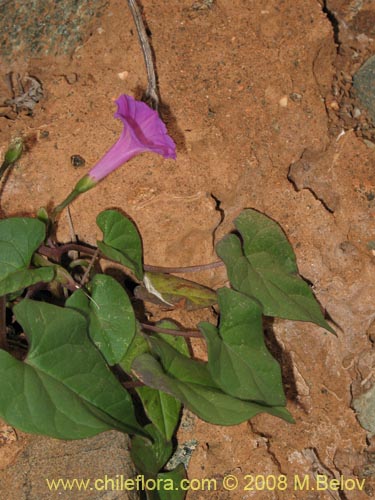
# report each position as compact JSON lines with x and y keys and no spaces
{"x":132,"y":384}
{"x":57,"y":252}
{"x":188,"y":269}
{"x":176,"y":333}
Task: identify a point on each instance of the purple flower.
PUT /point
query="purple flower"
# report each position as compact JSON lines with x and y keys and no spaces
{"x":143,"y":132}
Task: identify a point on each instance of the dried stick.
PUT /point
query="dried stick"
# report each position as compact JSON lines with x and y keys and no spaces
{"x":87,"y":272}
{"x":152,"y":89}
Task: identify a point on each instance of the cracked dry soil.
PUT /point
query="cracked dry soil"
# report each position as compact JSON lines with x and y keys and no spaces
{"x":257,"y":97}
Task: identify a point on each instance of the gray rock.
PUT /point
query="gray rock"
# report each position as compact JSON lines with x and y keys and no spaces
{"x":364,"y":85}
{"x":37,"y":28}
{"x":364,"y":405}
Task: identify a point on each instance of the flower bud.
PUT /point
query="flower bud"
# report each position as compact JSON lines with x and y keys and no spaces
{"x":14,"y":151}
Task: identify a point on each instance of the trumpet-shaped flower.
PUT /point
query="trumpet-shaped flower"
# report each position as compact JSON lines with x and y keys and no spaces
{"x":143,"y":132}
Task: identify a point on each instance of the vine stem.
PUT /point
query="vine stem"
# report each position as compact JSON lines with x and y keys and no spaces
{"x":57,"y":252}
{"x":3,"y":324}
{"x":176,"y":333}
{"x":132,"y":384}
{"x":59,"y":208}
{"x":188,"y":269}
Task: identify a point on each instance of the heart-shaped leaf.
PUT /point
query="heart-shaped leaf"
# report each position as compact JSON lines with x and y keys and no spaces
{"x":20,"y":237}
{"x":72,"y":375}
{"x":238,"y":358}
{"x":37,"y":403}
{"x":190,"y":381}
{"x":264,"y":267}
{"x":121,"y":241}
{"x":110,"y":315}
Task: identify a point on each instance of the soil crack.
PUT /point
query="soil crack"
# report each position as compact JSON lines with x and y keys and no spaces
{"x":334,"y":22}
{"x":222,"y":217}
{"x":319,"y":468}
{"x":306,"y":173}
{"x":267,"y":441}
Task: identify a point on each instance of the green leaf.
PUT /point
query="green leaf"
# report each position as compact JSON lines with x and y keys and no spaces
{"x":70,"y":370}
{"x":42,"y":215}
{"x":177,"y":342}
{"x":112,"y":320}
{"x":61,"y":275}
{"x":138,"y":346}
{"x":175,"y":291}
{"x":162,"y":409}
{"x":20,"y":237}
{"x":150,"y":456}
{"x":170,"y":482}
{"x":139,"y":343}
{"x":168,"y":485}
{"x":121,"y":241}
{"x":24,"y":278}
{"x":190,"y":382}
{"x":110,"y":315}
{"x":264,"y":267}
{"x":238,"y":358}
{"x":37,"y":403}
{"x":79,"y":300}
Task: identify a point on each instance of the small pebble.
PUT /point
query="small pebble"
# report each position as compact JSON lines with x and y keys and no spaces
{"x":71,"y":78}
{"x":295,"y":97}
{"x":123,"y":75}
{"x":334,"y":105}
{"x":77,"y":161}
{"x":369,"y":144}
{"x":362,"y":38}
{"x":284,"y":101}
